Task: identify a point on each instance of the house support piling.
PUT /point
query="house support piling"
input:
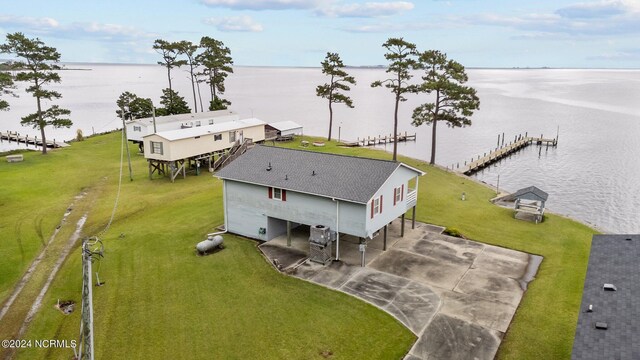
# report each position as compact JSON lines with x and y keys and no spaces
{"x":384,"y":245}
{"x":413,"y":217}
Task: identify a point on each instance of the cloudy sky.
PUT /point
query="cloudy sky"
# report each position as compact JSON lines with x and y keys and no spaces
{"x":477,"y":33}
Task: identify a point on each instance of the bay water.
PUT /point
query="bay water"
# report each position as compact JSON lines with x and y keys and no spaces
{"x":593,"y":175}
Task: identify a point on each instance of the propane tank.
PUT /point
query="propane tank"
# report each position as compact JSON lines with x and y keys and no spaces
{"x":211,"y":243}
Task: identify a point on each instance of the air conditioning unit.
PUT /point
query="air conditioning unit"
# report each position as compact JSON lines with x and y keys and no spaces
{"x":320,"y":234}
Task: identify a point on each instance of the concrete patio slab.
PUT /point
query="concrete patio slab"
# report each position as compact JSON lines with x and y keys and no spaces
{"x":436,"y":269}
{"x":333,"y":275}
{"x":455,"y":339}
{"x":491,"y":286}
{"x":282,"y":257}
{"x":502,"y":261}
{"x":476,"y":310}
{"x":458,"y":296}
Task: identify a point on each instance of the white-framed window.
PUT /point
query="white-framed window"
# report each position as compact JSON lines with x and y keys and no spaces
{"x":277,"y":193}
{"x":197,"y":123}
{"x":398,"y":194}
{"x":217,"y":137}
{"x":156,"y":147}
{"x":210,"y":121}
{"x":137,"y":128}
{"x":232,"y":136}
{"x":376,"y":206}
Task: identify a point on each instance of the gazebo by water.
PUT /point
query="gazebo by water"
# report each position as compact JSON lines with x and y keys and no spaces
{"x":528,"y":203}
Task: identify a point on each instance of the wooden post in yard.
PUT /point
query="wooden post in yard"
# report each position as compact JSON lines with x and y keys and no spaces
{"x":402,"y":226}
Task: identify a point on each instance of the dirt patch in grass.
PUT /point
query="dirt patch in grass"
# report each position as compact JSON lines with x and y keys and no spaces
{"x":66,"y":306}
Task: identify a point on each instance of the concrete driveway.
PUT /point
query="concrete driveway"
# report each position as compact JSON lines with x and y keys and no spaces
{"x":458,"y":296}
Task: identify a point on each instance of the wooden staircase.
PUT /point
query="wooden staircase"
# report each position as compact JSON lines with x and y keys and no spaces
{"x":236,"y":150}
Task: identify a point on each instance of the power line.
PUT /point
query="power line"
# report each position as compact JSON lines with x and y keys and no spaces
{"x":93,"y":250}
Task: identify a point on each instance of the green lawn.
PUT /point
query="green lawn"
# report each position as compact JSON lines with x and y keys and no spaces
{"x":162,"y":301}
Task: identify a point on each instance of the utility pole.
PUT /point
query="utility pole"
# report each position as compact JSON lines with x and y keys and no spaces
{"x":153,"y":113}
{"x":126,"y":144}
{"x":86,"y":345}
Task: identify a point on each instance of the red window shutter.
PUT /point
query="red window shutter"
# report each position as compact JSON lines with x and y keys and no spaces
{"x":402,"y":193}
{"x":395,"y":193}
{"x":270,"y":193}
{"x":380,"y":204}
{"x":372,"y":204}
{"x":284,"y":195}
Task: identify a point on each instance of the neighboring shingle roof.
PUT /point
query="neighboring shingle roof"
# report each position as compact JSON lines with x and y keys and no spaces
{"x":208,"y":129}
{"x":613,"y":260}
{"x":337,"y":176}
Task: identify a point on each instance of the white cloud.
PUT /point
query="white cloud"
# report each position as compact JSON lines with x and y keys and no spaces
{"x":602,"y":9}
{"x":51,"y":27}
{"x":235,"y":23}
{"x":262,"y":4}
{"x":604,"y":18}
{"x":369,"y":9}
{"x":38,"y":24}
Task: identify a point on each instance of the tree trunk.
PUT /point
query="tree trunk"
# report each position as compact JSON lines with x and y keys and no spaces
{"x":330,"y":119}
{"x":395,"y":128}
{"x":193,"y":87}
{"x":211,"y":85}
{"x":41,"y":124}
{"x":330,"y":109}
{"x":436,"y":112}
{"x":433,"y":142}
{"x":199,"y":96}
{"x":214,"y":96}
{"x":170,"y":91}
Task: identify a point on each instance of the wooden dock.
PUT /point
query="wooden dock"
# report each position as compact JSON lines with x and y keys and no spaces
{"x":499,"y":153}
{"x":12,"y":136}
{"x":379,"y":140}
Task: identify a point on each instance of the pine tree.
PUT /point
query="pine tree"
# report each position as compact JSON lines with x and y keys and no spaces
{"x":39,"y":68}
{"x":332,"y":66}
{"x":401,"y":57}
{"x":454,"y":103}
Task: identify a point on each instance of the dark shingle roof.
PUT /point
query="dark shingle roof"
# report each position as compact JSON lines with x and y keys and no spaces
{"x":342,"y":177}
{"x":529,"y":193}
{"x":613,"y":260}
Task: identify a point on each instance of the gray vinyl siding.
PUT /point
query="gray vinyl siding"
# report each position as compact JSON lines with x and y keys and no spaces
{"x":390,"y":212}
{"x":249,"y":209}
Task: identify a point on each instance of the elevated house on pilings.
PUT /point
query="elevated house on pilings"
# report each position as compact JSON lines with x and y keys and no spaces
{"x":268,"y":191}
{"x":173,"y":152}
{"x":137,"y":129}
